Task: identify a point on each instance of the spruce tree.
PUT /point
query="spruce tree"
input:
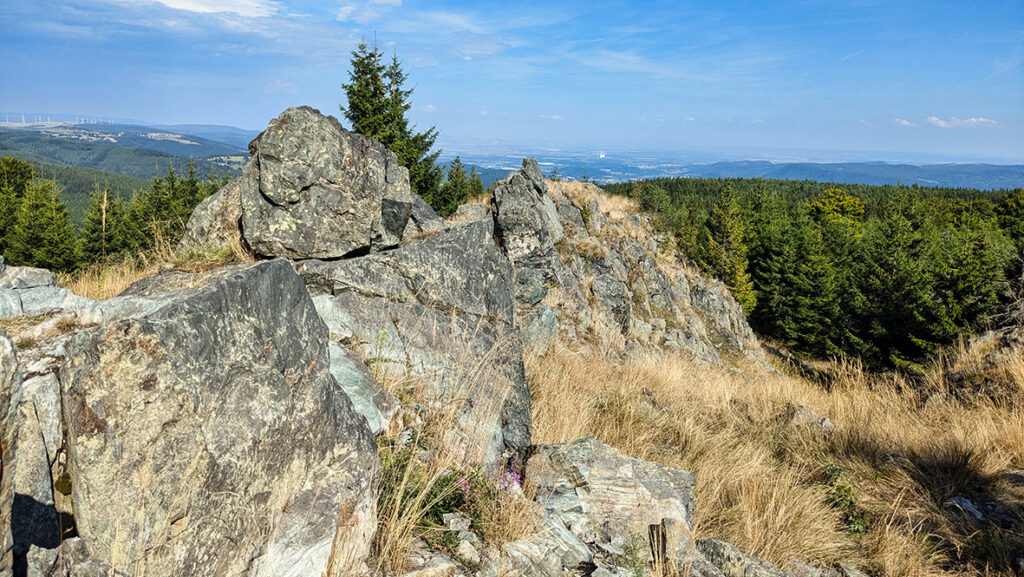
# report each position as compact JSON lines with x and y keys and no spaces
{"x":455,"y":190}
{"x":43,"y":235}
{"x":476,"y":185}
{"x":15,"y":177}
{"x":377,"y":106}
{"x":104,"y":231}
{"x":723,"y":252}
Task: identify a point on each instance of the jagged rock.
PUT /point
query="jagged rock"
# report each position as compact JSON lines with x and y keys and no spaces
{"x":732,"y":563}
{"x":206,"y":434}
{"x":311,"y":190}
{"x":439,"y":309}
{"x":368,"y":398}
{"x":601,"y":494}
{"x":422,"y":220}
{"x":528,"y":226}
{"x":554,"y":551}
{"x":607,"y":277}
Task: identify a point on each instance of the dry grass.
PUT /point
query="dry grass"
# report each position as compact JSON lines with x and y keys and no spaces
{"x":891,"y":463}
{"x":101,"y":281}
{"x":438,"y":468}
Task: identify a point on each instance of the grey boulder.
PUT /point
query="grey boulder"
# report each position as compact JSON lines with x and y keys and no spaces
{"x":206,"y":434}
{"x":311,"y":190}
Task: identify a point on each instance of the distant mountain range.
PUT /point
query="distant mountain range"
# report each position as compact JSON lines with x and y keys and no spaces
{"x":142,"y":151}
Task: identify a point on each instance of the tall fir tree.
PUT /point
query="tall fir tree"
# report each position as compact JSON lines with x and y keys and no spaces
{"x":43,"y":235}
{"x":15,"y":177}
{"x":377,"y":103}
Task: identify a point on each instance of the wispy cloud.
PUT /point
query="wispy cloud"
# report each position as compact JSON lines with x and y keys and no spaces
{"x":954,"y":122}
{"x":280,"y":86}
{"x":902,"y":122}
{"x":552,"y":117}
{"x":863,"y":122}
{"x":430,"y":108}
{"x":366,"y":12}
{"x":251,"y":8}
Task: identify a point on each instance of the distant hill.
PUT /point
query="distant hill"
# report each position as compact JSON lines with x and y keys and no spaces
{"x":981,"y":176}
{"x":114,"y":156}
{"x":238,"y":137}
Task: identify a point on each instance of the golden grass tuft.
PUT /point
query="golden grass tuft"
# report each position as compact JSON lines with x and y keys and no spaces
{"x":893,"y":459}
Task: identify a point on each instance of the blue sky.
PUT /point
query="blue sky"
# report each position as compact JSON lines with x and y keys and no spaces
{"x":925,"y":77}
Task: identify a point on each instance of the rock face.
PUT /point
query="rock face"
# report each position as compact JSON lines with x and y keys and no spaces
{"x":605,"y":274}
{"x":311,"y":190}
{"x":206,"y":434}
{"x":439,"y":309}
{"x":33,"y":291}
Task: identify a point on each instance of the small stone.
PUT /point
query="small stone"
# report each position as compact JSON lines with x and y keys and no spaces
{"x":467,"y":552}
{"x":456,"y":521}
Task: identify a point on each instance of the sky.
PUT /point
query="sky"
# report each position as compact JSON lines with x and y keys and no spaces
{"x":935,"y":77}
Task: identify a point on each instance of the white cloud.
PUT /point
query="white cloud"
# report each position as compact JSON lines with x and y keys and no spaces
{"x":365,"y":12}
{"x":250,"y":8}
{"x":280,"y":86}
{"x":551,"y":116}
{"x":902,"y":122}
{"x":483,"y":113}
{"x":955,"y":122}
{"x":863,"y":122}
{"x":430,"y":108}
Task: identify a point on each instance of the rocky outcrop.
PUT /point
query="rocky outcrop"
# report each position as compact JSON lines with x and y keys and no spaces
{"x":310,"y":190}
{"x":438,"y":309}
{"x":604,"y":272}
{"x":196,"y":429}
{"x":33,"y":291}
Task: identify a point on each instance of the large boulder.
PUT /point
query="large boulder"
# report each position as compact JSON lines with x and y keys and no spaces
{"x":439,"y":310}
{"x":33,"y":291}
{"x":206,"y":435}
{"x":311,"y":190}
{"x":605,"y":497}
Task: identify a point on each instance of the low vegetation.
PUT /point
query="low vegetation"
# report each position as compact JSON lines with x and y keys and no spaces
{"x":875,"y":491}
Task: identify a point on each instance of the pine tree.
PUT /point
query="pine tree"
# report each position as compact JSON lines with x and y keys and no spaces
{"x":15,"y":176}
{"x":104,"y":231}
{"x":43,"y":235}
{"x":377,"y":106}
{"x":160,"y":213}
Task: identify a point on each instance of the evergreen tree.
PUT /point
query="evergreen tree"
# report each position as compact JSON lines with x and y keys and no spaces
{"x":770,"y":259}
{"x":105,"y":229}
{"x":42,"y":235}
{"x":159,"y":215}
{"x":377,"y":106}
{"x":455,"y":190}
{"x":15,"y":177}
{"x":811,"y":292}
{"x":476,"y":186}
{"x":904,"y":323}
{"x":722,"y":251}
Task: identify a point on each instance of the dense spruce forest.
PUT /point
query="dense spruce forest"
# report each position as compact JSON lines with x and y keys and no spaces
{"x":37,"y":229}
{"x":888,"y":274}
